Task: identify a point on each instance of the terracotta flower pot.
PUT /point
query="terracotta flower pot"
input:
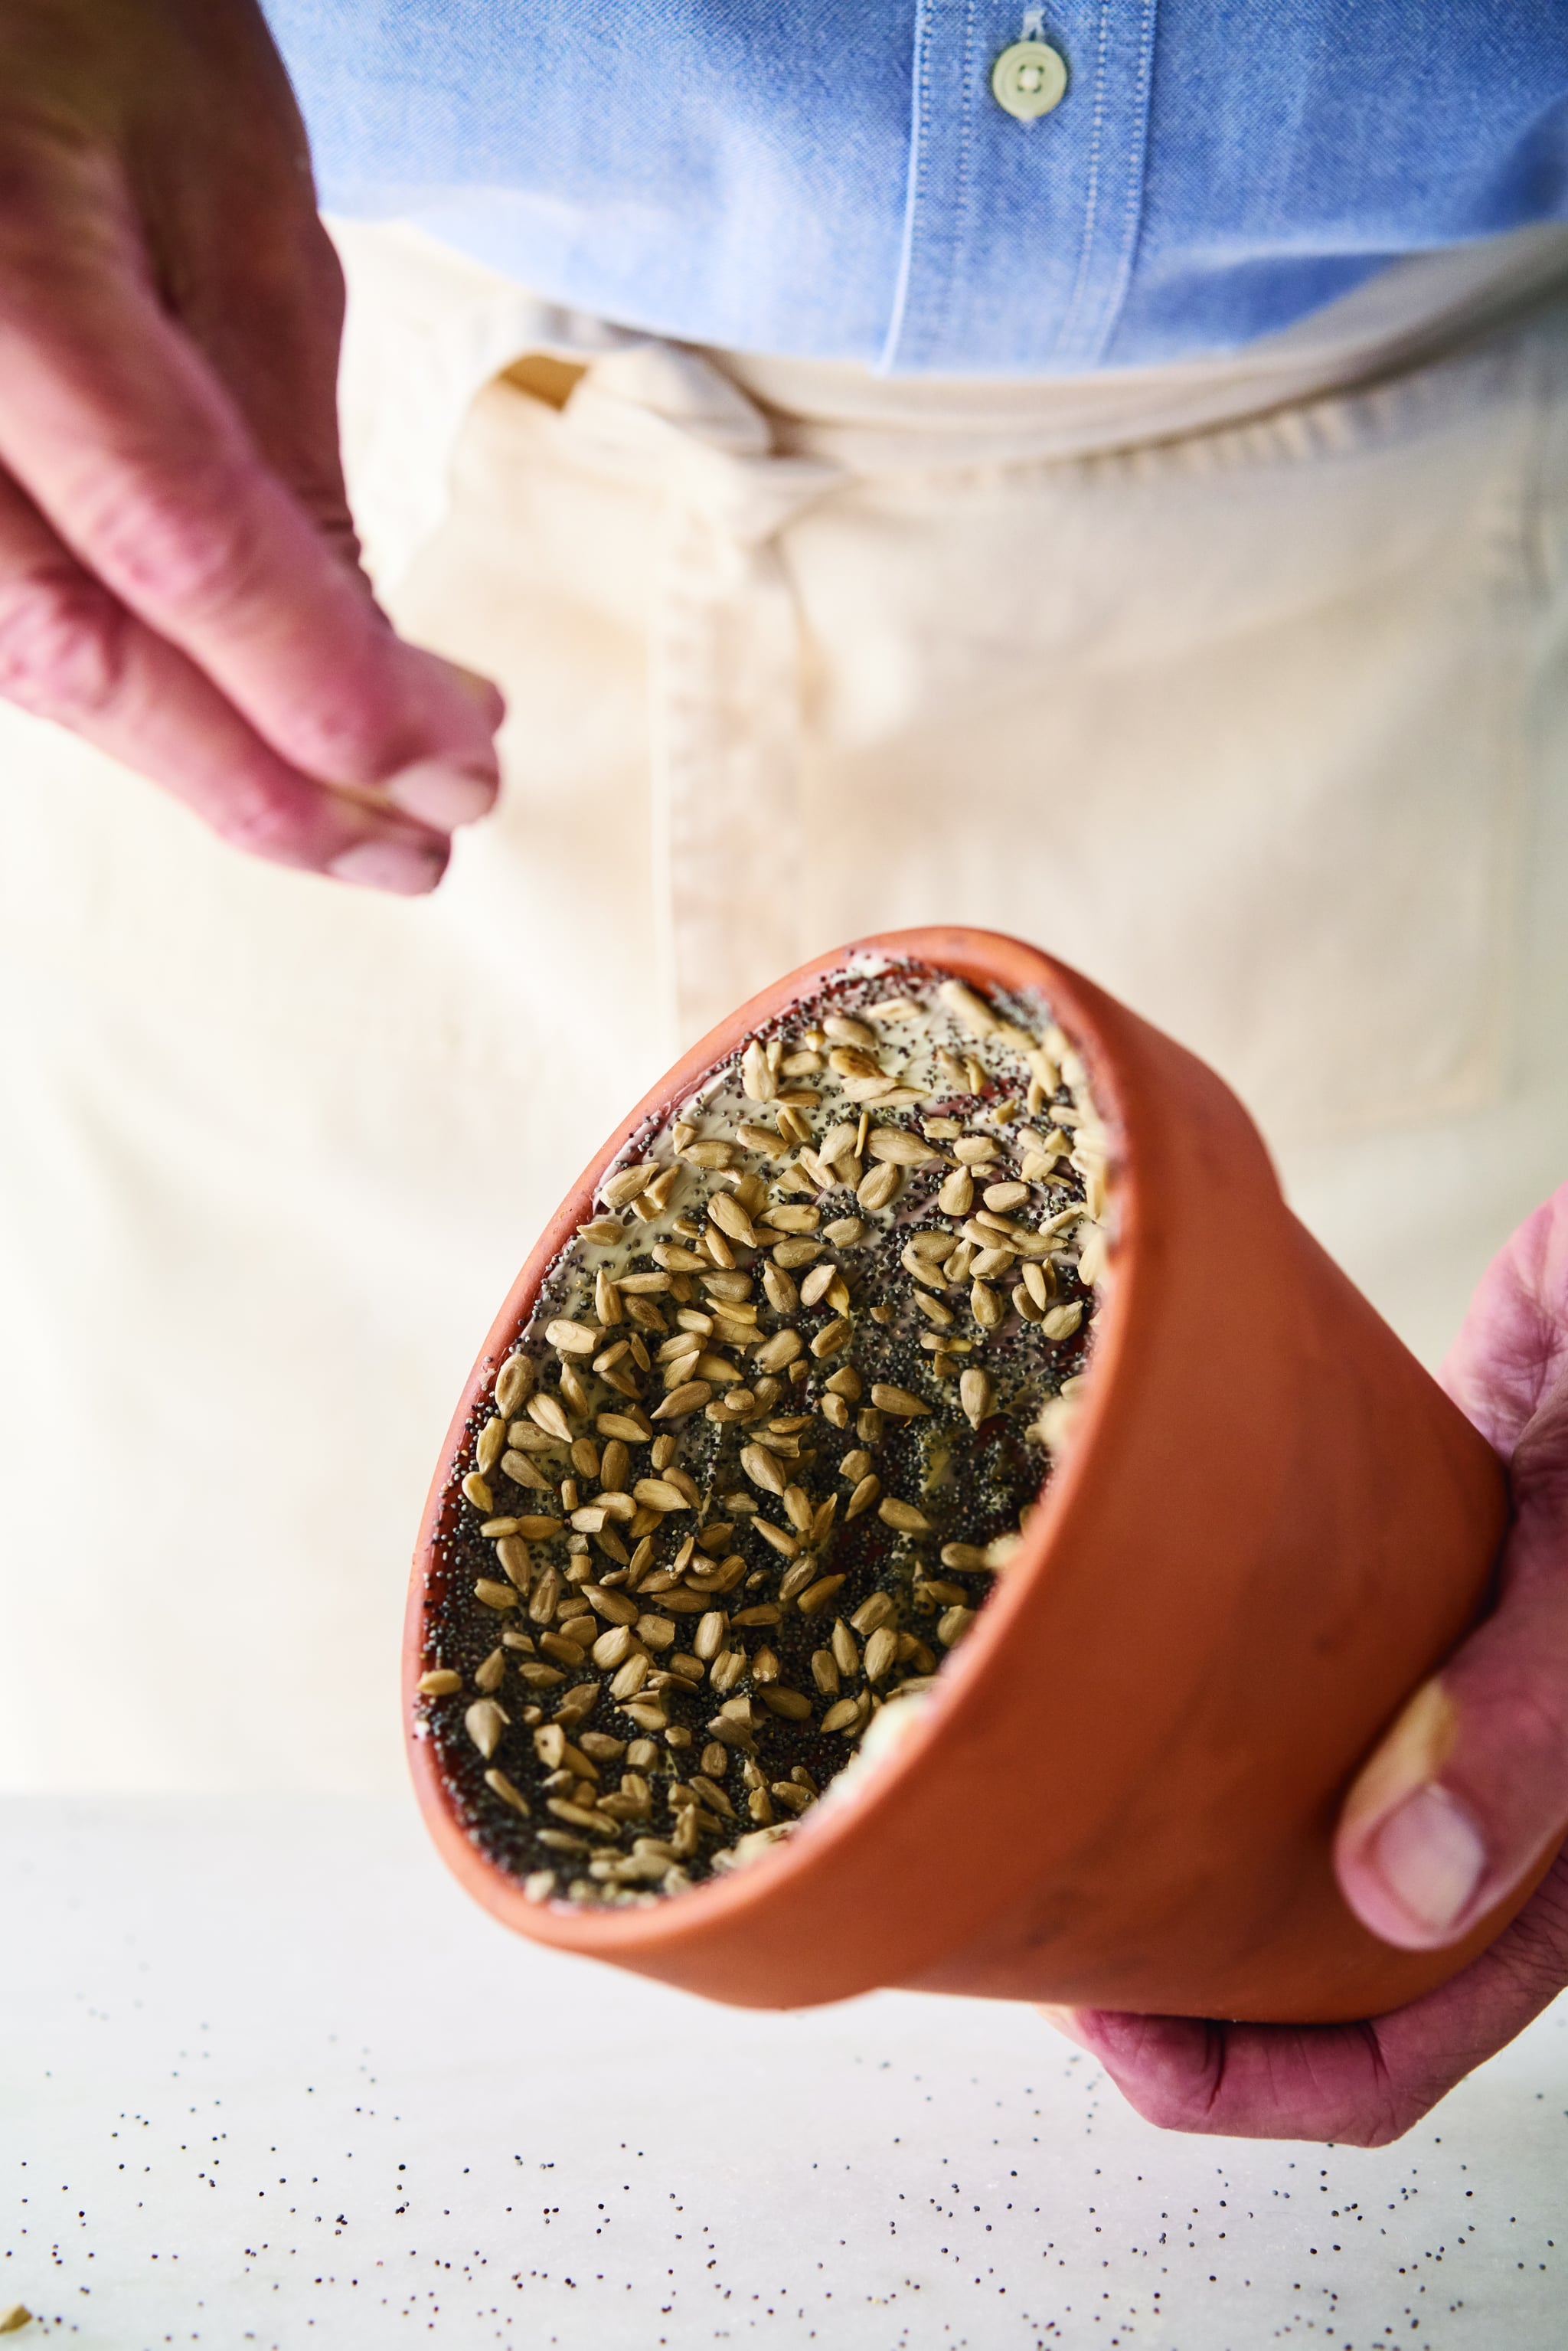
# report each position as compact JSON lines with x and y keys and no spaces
{"x":1270,"y":1525}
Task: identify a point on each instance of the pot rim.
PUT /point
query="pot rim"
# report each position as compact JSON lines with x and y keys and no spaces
{"x":654,"y":1935}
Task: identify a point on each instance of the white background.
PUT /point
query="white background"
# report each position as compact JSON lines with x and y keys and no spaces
{"x":270,"y":2079}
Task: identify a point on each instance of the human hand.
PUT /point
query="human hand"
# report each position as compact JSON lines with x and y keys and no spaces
{"x":1456,"y":1806}
{"x":178,"y":572}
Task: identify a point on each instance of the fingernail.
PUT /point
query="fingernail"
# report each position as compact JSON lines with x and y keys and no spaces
{"x":402,"y":867}
{"x":479,"y":688}
{"x":1430,"y":1856}
{"x":439,"y":795}
{"x":1411,"y":1756}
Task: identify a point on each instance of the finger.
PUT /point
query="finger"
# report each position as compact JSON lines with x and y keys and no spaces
{"x":1245,"y":2081}
{"x":68,"y":652}
{"x":1470,"y":1787}
{"x":263,"y":299}
{"x":241,"y":257}
{"x":1360,"y":2084}
{"x":123,"y":437}
{"x":1513,"y":1348}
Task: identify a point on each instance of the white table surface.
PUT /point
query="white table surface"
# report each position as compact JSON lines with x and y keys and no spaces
{"x":268,"y":2078}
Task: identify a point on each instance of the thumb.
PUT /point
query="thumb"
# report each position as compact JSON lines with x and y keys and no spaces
{"x":1468,"y":1791}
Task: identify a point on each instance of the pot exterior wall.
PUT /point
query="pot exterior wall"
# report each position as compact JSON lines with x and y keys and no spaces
{"x":1271,"y":1526}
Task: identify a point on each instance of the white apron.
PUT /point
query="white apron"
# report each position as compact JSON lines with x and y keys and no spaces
{"x":1241,"y":687}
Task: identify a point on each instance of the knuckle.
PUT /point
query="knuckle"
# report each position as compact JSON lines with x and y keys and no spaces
{"x":188,"y":545}
{"x":1175,"y":2111}
{"x":1174,"y":2101}
{"x":1361,"y":2131}
{"x":263,"y":820}
{"x":49,"y":176}
{"x":1384,"y":2100}
{"x":63,"y":645}
{"x":1378,"y":2125}
{"x":1517,"y":1714}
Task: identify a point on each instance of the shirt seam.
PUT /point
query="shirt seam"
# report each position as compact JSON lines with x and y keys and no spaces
{"x":1063,"y":339}
{"x":919,"y":110}
{"x":1132,"y":205}
{"x":931,"y":322}
{"x":1087,"y":341}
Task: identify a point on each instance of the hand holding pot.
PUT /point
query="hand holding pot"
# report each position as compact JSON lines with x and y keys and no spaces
{"x":1454,"y":1809}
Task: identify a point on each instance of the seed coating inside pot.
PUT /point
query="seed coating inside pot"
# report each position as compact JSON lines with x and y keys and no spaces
{"x":769,"y":1434}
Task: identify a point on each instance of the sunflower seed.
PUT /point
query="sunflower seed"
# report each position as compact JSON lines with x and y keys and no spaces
{"x":904,"y":1516}
{"x":796,"y":1252}
{"x":613,"y":1648}
{"x":781,"y":1349}
{"x":782,"y":1294}
{"x":962,"y":1001}
{"x":632,"y":1676}
{"x":897,"y":1401}
{"x":684,"y":1399}
{"x":897,"y":1144}
{"x":880,"y":1609}
{"x":865,"y":1495}
{"x":661,"y":1494}
{"x":987,"y":1308}
{"x":762,"y":1468}
{"x":881,"y":1653}
{"x":799,"y":1508}
{"x":793,"y":1705}
{"x":934,"y":1311}
{"x":580,"y":1817}
{"x":621,"y":1189}
{"x":845,"y":1031}
{"x":514,"y":1382}
{"x":846,"y":1655}
{"x":731,"y":1219}
{"x":441,"y":1682}
{"x":708,"y":1639}
{"x":880,"y":1187}
{"x":485,"y":1721}
{"x":776,"y":1536}
{"x":546,"y":1412}
{"x":987,"y":1263}
{"x":507,"y":1791}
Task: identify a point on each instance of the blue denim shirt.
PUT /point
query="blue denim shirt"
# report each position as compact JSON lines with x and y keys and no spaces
{"x":835,"y":179}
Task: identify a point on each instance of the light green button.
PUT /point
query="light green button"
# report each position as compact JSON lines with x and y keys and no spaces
{"x":1029,"y":80}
